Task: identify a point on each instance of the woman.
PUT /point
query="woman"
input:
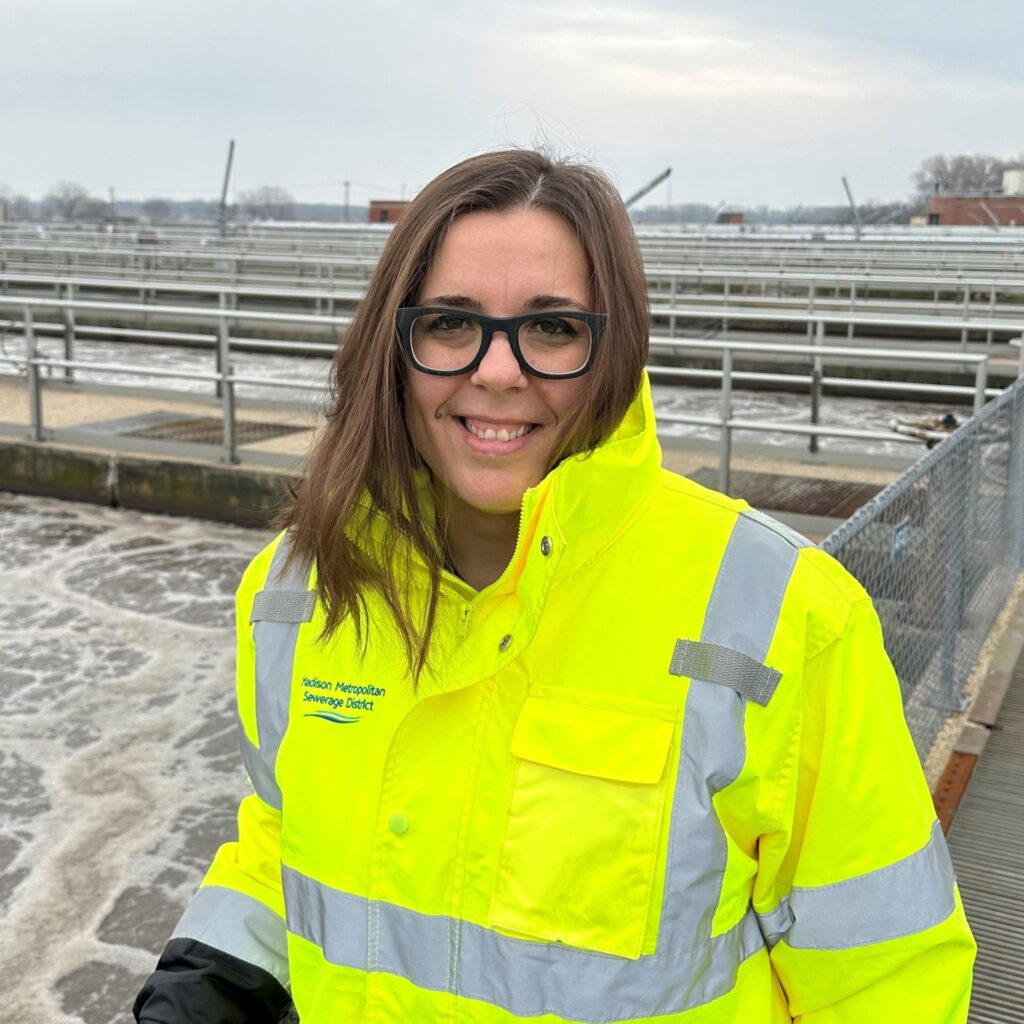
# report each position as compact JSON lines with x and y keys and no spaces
{"x":548,"y":732}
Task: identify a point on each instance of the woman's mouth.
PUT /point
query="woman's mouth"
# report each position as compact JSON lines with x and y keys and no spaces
{"x":488,"y":431}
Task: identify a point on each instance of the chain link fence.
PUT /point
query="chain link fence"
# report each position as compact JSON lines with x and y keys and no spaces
{"x":939,"y":551}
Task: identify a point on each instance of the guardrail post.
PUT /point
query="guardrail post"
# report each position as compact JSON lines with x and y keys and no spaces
{"x":812,"y":441}
{"x":980,"y":383}
{"x":725,"y":439}
{"x":811,"y":294}
{"x":953,"y":591}
{"x":816,"y":373}
{"x":853,"y":303}
{"x":35,"y":397}
{"x":69,"y":334}
{"x":967,"y":314}
{"x":223,"y":345}
{"x":1015,"y":480}
{"x":226,"y":390}
{"x":1020,"y":356}
{"x":230,"y":444}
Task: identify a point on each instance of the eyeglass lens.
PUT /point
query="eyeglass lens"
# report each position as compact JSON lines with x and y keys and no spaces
{"x":550,"y":344}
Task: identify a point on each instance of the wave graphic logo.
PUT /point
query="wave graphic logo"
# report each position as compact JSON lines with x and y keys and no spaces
{"x":330,"y":716}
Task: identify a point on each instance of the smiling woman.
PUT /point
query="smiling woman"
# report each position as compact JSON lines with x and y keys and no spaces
{"x":489,"y":433}
{"x":602,"y":745}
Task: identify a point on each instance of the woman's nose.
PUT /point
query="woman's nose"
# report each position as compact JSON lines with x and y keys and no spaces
{"x":499,"y":368}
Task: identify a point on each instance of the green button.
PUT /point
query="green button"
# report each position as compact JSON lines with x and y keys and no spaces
{"x":398,"y":823}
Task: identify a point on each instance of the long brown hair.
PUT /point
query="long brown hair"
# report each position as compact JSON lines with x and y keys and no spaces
{"x":364,"y":454}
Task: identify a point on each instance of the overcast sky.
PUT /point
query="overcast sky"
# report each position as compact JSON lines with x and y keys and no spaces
{"x":749,"y":102}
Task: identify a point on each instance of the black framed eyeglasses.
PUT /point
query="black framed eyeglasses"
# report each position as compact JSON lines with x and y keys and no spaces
{"x":446,"y":342}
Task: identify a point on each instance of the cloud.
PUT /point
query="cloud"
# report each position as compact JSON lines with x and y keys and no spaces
{"x":766,"y":102}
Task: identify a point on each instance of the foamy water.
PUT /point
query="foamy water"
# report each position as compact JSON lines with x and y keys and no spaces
{"x":119,"y":770}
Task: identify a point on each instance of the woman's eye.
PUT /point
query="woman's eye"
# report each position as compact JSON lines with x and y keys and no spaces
{"x":553,"y":327}
{"x":447,"y":324}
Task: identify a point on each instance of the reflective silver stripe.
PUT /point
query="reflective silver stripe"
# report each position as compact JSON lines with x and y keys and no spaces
{"x":260,"y":774}
{"x":530,"y":979}
{"x":714,"y":664}
{"x":336,"y":921}
{"x":283,"y":606}
{"x":741,"y":615}
{"x":524,"y":978}
{"x":747,"y":595}
{"x":275,"y":652}
{"x":237,"y":924}
{"x":909,"y":896}
{"x":776,"y":922}
{"x":787,"y":533}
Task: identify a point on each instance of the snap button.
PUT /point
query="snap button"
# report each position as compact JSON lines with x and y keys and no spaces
{"x":398,"y":823}
{"x":504,"y":642}
{"x":545,"y":546}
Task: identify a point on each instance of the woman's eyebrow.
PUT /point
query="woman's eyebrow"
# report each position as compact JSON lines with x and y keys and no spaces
{"x":455,"y":301}
{"x":537,"y":303}
{"x":552,"y":302}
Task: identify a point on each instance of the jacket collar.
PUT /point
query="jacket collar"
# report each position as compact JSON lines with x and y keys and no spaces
{"x":583,"y":504}
{"x":587,"y":499}
{"x":566,"y":520}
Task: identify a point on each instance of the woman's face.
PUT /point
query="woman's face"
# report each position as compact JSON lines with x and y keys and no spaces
{"x":501,"y":264}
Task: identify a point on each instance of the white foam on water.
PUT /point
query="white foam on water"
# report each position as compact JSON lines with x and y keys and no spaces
{"x":119,"y":771}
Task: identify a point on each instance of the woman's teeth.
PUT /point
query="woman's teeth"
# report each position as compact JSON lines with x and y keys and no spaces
{"x":502,"y":434}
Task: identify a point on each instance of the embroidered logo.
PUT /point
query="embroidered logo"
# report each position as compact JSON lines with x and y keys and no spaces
{"x":337,"y":698}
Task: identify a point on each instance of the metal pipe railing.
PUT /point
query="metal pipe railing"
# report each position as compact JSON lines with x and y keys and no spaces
{"x":225,"y":382}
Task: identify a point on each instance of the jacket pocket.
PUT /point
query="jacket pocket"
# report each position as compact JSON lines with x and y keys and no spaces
{"x":579,"y":855}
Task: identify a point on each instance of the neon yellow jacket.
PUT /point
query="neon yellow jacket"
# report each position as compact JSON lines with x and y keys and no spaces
{"x":658,"y":770}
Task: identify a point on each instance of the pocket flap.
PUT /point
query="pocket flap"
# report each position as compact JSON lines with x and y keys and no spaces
{"x":620,"y":745}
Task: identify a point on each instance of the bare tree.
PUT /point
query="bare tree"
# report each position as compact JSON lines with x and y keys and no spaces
{"x":156,"y":208}
{"x":94,"y":208}
{"x":270,"y":202}
{"x":67,"y":198}
{"x":962,"y":172}
{"x":20,"y":207}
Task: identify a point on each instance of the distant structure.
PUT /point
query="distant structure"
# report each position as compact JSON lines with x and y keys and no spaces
{"x":731,"y":217}
{"x":386,"y":211}
{"x":997,"y":207}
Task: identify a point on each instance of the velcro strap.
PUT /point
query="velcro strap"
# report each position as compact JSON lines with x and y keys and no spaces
{"x":713,"y":663}
{"x":283,"y":606}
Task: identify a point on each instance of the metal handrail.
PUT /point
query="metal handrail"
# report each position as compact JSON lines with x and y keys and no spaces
{"x":353,"y":288}
{"x":227,"y":382}
{"x":837,"y":318}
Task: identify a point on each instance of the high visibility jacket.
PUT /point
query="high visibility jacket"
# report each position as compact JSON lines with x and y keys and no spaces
{"x":658,"y":770}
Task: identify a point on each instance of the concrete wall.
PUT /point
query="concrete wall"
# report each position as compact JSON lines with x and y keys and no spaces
{"x":249,"y":497}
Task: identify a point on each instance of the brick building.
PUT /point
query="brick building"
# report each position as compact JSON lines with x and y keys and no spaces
{"x":386,"y":211}
{"x":988,"y":208}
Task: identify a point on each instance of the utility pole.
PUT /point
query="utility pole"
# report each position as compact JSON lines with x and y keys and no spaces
{"x":653,"y":183}
{"x":224,"y":191}
{"x":347,"y":184}
{"x":853,"y":207}
{"x":113,"y":206}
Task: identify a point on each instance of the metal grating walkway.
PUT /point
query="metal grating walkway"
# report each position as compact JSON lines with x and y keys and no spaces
{"x":987,"y":843}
